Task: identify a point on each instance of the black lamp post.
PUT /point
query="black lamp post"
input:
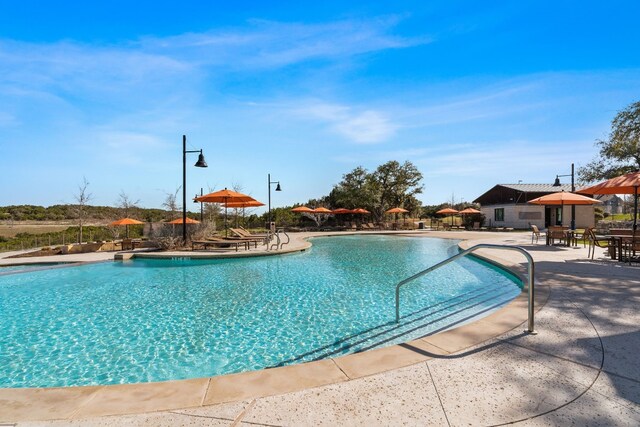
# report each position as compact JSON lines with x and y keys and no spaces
{"x":195,"y":201}
{"x":277,"y":189}
{"x":573,"y":189}
{"x":200,"y":164}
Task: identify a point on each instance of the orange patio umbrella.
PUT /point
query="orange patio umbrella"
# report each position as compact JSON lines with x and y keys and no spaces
{"x":562,"y":198}
{"x":126,"y":222}
{"x":448,"y":211}
{"x":188,"y":221}
{"x":623,"y":184}
{"x":243,"y":205}
{"x":360,"y":211}
{"x":302,"y":209}
{"x":396,"y":211}
{"x":469,"y":211}
{"x":322,"y":210}
{"x":341,"y":211}
{"x":224,"y":196}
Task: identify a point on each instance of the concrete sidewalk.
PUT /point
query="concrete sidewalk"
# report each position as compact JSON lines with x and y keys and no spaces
{"x":582,"y":368}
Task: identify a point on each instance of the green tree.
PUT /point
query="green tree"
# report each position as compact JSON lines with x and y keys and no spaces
{"x":395,"y":184}
{"x":620,"y":152}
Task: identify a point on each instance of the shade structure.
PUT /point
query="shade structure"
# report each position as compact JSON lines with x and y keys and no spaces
{"x":563,"y":198}
{"x":224,"y":196}
{"x":360,"y":211}
{"x":341,"y":211}
{"x":469,"y":211}
{"x":188,"y":221}
{"x":396,"y":211}
{"x":302,"y":209}
{"x":243,"y":205}
{"x":126,"y":222}
{"x":249,"y":204}
{"x":623,"y":184}
{"x":448,"y":211}
{"x":321,"y":210}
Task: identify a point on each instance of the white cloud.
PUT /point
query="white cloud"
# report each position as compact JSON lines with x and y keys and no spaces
{"x":268,"y":44}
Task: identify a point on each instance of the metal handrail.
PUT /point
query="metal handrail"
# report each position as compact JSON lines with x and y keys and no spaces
{"x":466,"y":252}
{"x":279,"y":244}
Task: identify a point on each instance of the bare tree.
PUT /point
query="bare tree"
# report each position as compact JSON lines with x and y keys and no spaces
{"x":82,"y":197}
{"x":171,"y":203}
{"x":126,"y":204}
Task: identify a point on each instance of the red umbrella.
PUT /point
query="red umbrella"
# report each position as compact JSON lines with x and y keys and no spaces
{"x":341,"y":211}
{"x":322,"y":210}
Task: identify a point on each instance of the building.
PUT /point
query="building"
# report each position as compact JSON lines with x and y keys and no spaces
{"x":505,"y":205}
{"x":611,"y":203}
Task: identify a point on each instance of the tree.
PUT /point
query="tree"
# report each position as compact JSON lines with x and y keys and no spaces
{"x":170,"y":203}
{"x":126,"y":204}
{"x":395,"y":183}
{"x":620,"y":152}
{"x":82,"y":197}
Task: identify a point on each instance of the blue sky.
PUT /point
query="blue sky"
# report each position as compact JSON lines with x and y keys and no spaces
{"x":473,"y":93}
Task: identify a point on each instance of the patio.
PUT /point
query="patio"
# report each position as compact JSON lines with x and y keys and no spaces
{"x":582,"y":368}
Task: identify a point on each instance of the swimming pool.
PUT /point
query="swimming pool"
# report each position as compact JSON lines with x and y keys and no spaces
{"x":155,"y":320}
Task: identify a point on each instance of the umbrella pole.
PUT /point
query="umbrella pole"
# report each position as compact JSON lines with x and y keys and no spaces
{"x":635,"y":208}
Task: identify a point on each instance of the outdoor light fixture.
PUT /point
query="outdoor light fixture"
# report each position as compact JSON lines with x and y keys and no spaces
{"x":199,"y":164}
{"x":277,"y":189}
{"x":556,"y":183}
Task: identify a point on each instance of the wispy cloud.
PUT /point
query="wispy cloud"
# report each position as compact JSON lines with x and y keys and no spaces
{"x":268,"y":44}
{"x":355,"y":123}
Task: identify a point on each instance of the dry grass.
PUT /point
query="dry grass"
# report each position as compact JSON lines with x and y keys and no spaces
{"x":10,"y":230}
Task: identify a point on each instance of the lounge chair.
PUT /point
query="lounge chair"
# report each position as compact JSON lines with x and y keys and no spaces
{"x":242,"y":235}
{"x":219,"y":243}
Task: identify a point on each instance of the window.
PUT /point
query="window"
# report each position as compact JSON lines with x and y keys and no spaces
{"x":559,"y":216}
{"x":498,"y":214}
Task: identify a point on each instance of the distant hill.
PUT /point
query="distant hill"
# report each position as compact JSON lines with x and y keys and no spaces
{"x":70,"y":212}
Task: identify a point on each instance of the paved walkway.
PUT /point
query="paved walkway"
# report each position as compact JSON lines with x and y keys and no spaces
{"x":582,"y":368}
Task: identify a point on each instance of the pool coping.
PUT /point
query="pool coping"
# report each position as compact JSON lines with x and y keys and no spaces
{"x":67,"y":403}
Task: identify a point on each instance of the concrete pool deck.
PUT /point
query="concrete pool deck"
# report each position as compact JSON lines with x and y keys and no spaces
{"x":582,"y":368}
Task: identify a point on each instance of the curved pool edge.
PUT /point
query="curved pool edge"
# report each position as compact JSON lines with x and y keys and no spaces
{"x":66,"y":403}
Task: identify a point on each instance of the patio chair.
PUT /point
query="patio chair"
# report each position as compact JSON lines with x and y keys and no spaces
{"x":599,"y":241}
{"x":557,"y":233}
{"x":535,"y":233}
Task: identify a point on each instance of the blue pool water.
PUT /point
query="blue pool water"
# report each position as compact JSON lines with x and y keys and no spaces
{"x":155,"y":320}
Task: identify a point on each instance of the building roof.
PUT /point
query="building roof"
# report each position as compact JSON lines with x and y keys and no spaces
{"x":518,"y":193}
{"x":537,"y":188}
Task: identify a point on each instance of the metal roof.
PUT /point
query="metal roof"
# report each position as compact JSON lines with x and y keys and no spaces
{"x":538,"y":188}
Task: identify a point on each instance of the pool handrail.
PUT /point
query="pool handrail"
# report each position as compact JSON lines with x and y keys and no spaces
{"x":531,"y":269}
